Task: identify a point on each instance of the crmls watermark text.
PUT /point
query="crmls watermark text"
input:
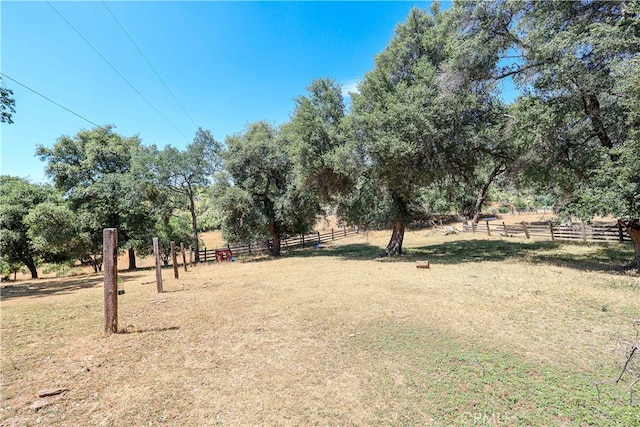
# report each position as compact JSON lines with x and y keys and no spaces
{"x":486,"y":418}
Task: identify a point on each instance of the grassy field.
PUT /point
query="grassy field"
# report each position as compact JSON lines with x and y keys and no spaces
{"x":496,"y":332}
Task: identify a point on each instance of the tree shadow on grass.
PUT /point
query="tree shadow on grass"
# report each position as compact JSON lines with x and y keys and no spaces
{"x":45,"y":287}
{"x":600,"y":257}
{"x":597,"y":258}
{"x":354,"y":251}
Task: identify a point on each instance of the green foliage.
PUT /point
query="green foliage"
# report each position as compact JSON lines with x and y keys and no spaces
{"x":185,"y":173}
{"x":422,"y":120}
{"x":8,"y":268}
{"x":208,"y":212}
{"x":176,"y":228}
{"x":242,"y":221}
{"x":55,"y":231}
{"x":316,"y":137}
{"x":94,"y":170}
{"x":259,"y":196}
{"x":435,"y":201}
{"x":17,"y":197}
{"x":521,"y":199}
{"x":62,"y":268}
{"x":7,"y":104}
{"x":576,"y":63}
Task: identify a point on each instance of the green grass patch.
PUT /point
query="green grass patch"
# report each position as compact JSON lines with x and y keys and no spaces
{"x":436,"y":379}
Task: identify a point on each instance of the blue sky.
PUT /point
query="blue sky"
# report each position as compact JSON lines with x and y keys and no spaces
{"x":227,"y":63}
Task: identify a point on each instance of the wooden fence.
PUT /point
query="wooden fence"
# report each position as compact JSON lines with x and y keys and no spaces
{"x":598,"y":232}
{"x":299,"y":241}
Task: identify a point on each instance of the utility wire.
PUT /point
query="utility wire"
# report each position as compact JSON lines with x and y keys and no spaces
{"x":49,"y":99}
{"x":148,"y":63}
{"x":115,"y":69}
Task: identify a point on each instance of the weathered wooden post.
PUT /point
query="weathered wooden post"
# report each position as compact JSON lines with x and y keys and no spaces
{"x":156,"y":253}
{"x":584,"y":232}
{"x":318,"y":237}
{"x":184,"y":256}
{"x":302,"y":240}
{"x":333,"y":237}
{"x":551,"y":231}
{"x":506,"y":231}
{"x":344,"y":227}
{"x":190,"y":255}
{"x":488,"y":230}
{"x":620,"y":234}
{"x":526,"y":230}
{"x":110,"y":266}
{"x":473,"y":226}
{"x":174,"y":259}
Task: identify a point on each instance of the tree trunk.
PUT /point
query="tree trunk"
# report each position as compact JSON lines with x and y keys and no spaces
{"x":395,"y":243}
{"x":31,"y":265}
{"x":132,"y":259}
{"x":194,"y":226}
{"x":633,"y":229}
{"x":96,"y":263}
{"x":274,"y":250}
{"x":591,"y":107}
{"x":482,"y":194}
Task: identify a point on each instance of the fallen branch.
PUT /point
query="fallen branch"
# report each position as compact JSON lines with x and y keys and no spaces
{"x":52,"y":392}
{"x":626,"y":364}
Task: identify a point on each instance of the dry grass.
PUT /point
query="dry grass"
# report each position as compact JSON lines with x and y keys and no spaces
{"x":502,"y":331}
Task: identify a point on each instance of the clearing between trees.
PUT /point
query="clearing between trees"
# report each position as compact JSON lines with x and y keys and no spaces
{"x":497,"y":331}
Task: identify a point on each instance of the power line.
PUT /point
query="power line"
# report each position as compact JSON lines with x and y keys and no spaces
{"x":148,"y":63}
{"x":115,"y":69}
{"x":49,"y":99}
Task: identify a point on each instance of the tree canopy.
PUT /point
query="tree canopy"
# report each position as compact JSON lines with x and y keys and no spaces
{"x":185,"y":172}
{"x":428,"y":126}
{"x":259,"y":196}
{"x":419,"y":119}
{"x":576,"y":65}
{"x":17,"y":198}
{"x":92,"y":169}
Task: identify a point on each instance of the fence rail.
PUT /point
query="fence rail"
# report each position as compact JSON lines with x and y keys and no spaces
{"x":600,"y":231}
{"x":293,"y":242}
{"x":596,"y":232}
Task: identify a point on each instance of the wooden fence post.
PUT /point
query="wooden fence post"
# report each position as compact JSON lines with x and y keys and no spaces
{"x":174,"y":259}
{"x":110,"y":266}
{"x":318,"y":237}
{"x":156,"y":253}
{"x":584,"y":232}
{"x":488,"y":230}
{"x":526,"y":230}
{"x":506,"y":232}
{"x":620,"y":234}
{"x":190,"y":255}
{"x":344,"y":227}
{"x":333,"y":237}
{"x":302,"y":240}
{"x":184,"y":256}
{"x":473,"y":226}
{"x":551,"y":230}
